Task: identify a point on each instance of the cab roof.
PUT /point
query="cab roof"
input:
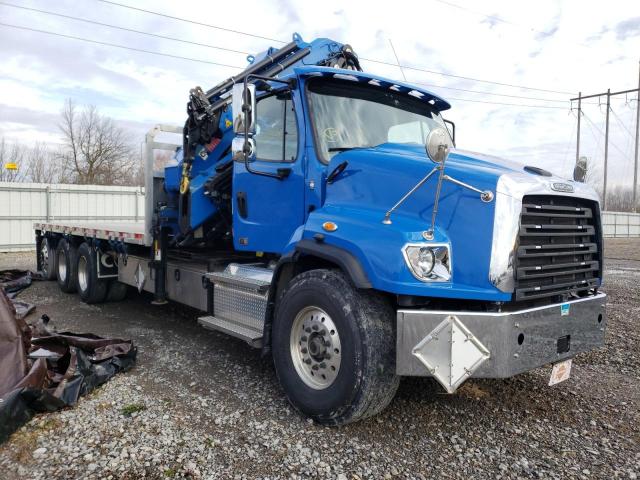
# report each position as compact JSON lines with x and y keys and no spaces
{"x":376,"y":81}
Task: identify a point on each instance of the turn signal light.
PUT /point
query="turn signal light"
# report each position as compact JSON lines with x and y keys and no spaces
{"x":330,"y":226}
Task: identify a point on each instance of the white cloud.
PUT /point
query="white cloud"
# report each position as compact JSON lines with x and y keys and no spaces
{"x":556,"y":45}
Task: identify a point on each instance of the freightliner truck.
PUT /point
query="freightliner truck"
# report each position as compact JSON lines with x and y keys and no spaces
{"x":324,"y":215}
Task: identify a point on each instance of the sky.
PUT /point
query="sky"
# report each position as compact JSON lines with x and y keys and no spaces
{"x":555,"y":48}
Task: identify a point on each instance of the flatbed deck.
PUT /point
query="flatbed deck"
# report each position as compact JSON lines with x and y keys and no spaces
{"x":127,"y":232}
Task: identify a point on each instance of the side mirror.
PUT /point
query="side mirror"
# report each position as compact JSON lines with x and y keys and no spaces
{"x":580,"y":170}
{"x":452,"y":130}
{"x":243,"y":106}
{"x":438,"y":145}
{"x":238,"y":149}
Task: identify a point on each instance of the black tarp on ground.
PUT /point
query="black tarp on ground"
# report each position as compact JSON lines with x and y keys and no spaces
{"x":13,"y":282}
{"x":43,"y":371}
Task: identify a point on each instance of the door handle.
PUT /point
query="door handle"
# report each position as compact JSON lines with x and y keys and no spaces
{"x":241,"y":200}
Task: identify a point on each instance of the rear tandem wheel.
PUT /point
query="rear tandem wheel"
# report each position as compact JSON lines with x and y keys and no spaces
{"x":66,"y":263}
{"x":91,"y":288}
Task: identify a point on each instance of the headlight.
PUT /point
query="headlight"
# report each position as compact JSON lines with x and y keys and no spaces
{"x":428,"y":263}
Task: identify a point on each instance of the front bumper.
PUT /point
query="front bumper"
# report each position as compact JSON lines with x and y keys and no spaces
{"x":496,"y":345}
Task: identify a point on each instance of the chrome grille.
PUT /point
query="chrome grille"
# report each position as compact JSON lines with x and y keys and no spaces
{"x":559,"y":247}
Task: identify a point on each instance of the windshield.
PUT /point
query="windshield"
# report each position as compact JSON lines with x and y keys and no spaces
{"x":349,"y":115}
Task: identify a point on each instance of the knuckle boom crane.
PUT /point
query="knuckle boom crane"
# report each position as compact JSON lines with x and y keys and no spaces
{"x":207,"y":132}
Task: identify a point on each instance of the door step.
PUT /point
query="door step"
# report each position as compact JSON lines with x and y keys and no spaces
{"x":250,"y":335}
{"x":240,"y":297}
{"x":247,"y":277}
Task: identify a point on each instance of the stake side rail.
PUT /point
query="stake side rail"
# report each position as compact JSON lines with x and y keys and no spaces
{"x":128,"y":233}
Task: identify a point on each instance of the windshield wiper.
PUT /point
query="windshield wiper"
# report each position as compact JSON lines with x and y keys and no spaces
{"x":344,"y":149}
{"x":341,"y":149}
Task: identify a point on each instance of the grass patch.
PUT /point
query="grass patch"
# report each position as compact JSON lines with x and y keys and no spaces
{"x":102,"y":406}
{"x":170,"y":472}
{"x":24,"y":441}
{"x":50,"y":423}
{"x":22,"y":444}
{"x":132,"y":408}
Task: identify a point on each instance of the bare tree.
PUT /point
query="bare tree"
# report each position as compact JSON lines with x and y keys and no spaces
{"x":11,"y":154}
{"x":96,"y":150}
{"x":44,"y":165}
{"x":620,"y":199}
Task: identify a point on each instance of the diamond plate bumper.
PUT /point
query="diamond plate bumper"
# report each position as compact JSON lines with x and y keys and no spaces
{"x":515,"y":341}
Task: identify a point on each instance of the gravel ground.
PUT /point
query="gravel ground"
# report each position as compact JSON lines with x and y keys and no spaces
{"x":202,"y":405}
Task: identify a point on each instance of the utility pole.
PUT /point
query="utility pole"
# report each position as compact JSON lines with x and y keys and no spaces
{"x":635,"y":164}
{"x":606,"y":151}
{"x":610,"y":94}
{"x":579,"y":115}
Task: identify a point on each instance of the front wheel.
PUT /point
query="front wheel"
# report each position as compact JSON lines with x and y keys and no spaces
{"x":334,"y":348}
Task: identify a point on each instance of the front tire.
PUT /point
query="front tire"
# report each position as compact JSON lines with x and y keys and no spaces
{"x":334,"y":348}
{"x":90,"y":287}
{"x":66,"y":263}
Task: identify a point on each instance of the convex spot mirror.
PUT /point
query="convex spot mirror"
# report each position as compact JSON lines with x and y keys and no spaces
{"x":243,"y":101}
{"x":238,"y":149}
{"x":438,"y":145}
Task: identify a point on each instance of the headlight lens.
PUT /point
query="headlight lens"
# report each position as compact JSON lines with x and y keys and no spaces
{"x":430,"y":263}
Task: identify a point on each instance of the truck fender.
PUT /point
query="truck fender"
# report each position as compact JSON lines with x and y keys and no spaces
{"x":285,"y":270}
{"x":349,"y":264}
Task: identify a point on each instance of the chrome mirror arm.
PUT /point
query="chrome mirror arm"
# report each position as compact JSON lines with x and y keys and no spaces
{"x":485,"y":195}
{"x":428,"y":235}
{"x":387,"y":216}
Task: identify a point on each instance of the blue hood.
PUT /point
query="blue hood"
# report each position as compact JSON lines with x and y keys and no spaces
{"x":375,"y":179}
{"x":378,"y":177}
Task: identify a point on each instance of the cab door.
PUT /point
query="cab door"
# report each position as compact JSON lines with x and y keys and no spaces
{"x":267,"y":210}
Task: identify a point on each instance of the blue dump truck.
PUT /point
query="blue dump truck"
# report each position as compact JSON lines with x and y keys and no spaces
{"x":324,"y":215}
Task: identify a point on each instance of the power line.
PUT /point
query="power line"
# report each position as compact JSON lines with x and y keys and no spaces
{"x":72,"y":37}
{"x":627,"y":158}
{"x":93,"y":22}
{"x":490,"y":93}
{"x":505,"y":21}
{"x":473,"y":79}
{"x":624,"y":155}
{"x":621,"y":124}
{"x":82,"y":39}
{"x":508,"y":104}
{"x":172,"y":17}
{"x":175,"y":39}
{"x":570,"y":142}
{"x":490,"y":17}
{"x":593,"y":135}
{"x":408,"y":67}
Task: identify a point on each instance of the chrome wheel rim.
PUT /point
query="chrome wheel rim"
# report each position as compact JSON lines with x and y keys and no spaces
{"x":315,"y":348}
{"x":62,"y":266}
{"x":44,"y":256}
{"x":83,"y":274}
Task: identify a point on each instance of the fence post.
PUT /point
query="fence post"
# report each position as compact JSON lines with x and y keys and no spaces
{"x":48,"y":202}
{"x":135,"y":198}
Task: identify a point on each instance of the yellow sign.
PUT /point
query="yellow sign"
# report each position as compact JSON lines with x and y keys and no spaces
{"x":11,"y":166}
